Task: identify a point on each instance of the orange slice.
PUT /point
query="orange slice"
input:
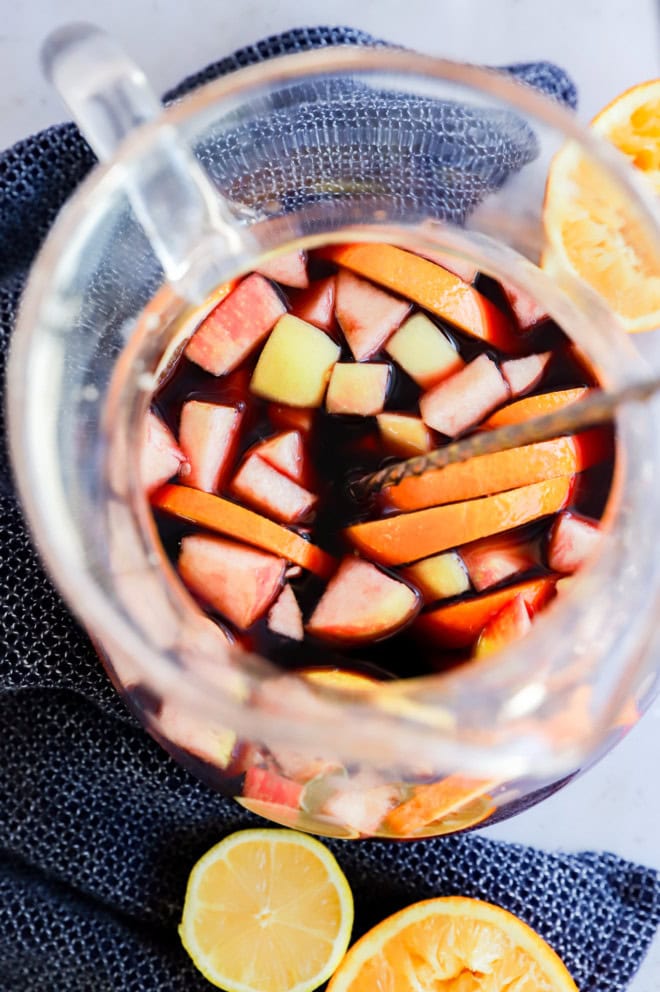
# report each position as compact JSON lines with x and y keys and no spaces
{"x":267,"y":911}
{"x":455,"y":944}
{"x":590,"y":229}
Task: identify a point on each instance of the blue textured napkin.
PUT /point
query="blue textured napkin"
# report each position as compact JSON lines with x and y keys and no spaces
{"x":99,"y":828}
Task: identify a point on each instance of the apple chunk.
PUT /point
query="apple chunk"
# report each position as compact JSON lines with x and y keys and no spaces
{"x":522,"y":374}
{"x":404,"y":435}
{"x":423,"y":351}
{"x":494,"y":559}
{"x":285,"y":617}
{"x":572,"y":539}
{"x":288,"y":268}
{"x":439,"y":576}
{"x":295,"y":364}
{"x":286,"y":453}
{"x":510,"y":624}
{"x":362,"y":603}
{"x":238,"y":581}
{"x":236,"y":326}
{"x":367,"y":315}
{"x":316,"y":305}
{"x":160,"y":457}
{"x":465,"y":398}
{"x":208,"y":433}
{"x":260,"y":485}
{"x":358,"y":388}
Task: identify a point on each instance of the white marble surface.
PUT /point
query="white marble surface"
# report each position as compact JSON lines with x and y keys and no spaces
{"x":607,"y":45}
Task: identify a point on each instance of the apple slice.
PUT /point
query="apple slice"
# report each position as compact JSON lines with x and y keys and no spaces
{"x":260,"y":485}
{"x":439,"y":576}
{"x":285,"y":617}
{"x":238,"y":581}
{"x":236,"y":326}
{"x":179,"y":726}
{"x":361,"y":603}
{"x":286,"y":453}
{"x":510,"y":624}
{"x":288,"y":268}
{"x":571,"y":541}
{"x":316,"y":305}
{"x":268,"y":786}
{"x":465,"y":398}
{"x":367,"y":315}
{"x":361,"y":808}
{"x":404,"y":435}
{"x":295,"y":364}
{"x":208,"y":434}
{"x":358,"y":388}
{"x":527,"y":311}
{"x":161,"y":457}
{"x":493,"y":560}
{"x":522,"y":374}
{"x":424,"y":351}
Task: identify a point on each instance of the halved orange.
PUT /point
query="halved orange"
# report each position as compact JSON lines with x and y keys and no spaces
{"x":457,"y":944}
{"x":267,"y":911}
{"x":591,"y":230}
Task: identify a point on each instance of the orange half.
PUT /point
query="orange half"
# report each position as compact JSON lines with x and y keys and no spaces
{"x":591,"y":230}
{"x":454,"y":944}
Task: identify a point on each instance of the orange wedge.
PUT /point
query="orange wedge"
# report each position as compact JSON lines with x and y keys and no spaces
{"x":591,"y":231}
{"x":267,"y":911}
{"x":456,"y":944}
{"x":535,"y":406}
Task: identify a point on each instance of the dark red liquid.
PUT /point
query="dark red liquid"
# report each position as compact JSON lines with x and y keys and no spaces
{"x":344,"y":447}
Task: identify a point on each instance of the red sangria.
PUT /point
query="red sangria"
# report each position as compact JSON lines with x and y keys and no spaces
{"x":308,"y":374}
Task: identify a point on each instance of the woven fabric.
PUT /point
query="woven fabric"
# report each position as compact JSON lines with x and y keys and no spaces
{"x":98,"y":827}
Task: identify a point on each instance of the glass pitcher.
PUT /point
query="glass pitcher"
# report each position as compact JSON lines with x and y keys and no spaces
{"x":338,"y":145}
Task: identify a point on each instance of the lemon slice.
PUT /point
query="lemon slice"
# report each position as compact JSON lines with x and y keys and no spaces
{"x":267,"y":911}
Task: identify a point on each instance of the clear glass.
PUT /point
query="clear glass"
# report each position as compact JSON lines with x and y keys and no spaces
{"x":306,"y":150}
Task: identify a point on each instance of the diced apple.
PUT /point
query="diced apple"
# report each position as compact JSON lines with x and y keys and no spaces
{"x":571,"y":541}
{"x":261,"y":783}
{"x":358,"y":388}
{"x":208,"y":434}
{"x":295,"y":364}
{"x":161,"y":457}
{"x":301,"y":767}
{"x":424,"y":351}
{"x":316,"y":305}
{"x":526,"y":310}
{"x":285,"y":617}
{"x":286,"y":453}
{"x":237,"y":325}
{"x":493,"y":560}
{"x":288,"y":268}
{"x":465,"y":398}
{"x":439,"y":576}
{"x":367,"y":315}
{"x":362,"y":809}
{"x":238,"y":581}
{"x":522,"y":374}
{"x":179,"y":726}
{"x":404,"y":435}
{"x":362,"y":603}
{"x":260,"y":485}
{"x":291,"y":418}
{"x":510,"y":624}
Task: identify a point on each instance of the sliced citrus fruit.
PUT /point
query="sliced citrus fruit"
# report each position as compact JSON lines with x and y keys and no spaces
{"x":456,"y":944}
{"x":267,"y":911}
{"x":590,"y":228}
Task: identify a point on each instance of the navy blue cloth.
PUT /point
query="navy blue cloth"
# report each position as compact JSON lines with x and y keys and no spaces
{"x":98,"y":826}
